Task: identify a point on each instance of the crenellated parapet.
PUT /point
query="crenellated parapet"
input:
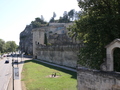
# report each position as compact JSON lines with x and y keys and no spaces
{"x":72,"y":47}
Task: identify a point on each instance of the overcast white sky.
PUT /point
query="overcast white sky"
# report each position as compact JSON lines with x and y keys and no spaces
{"x":16,"y":14}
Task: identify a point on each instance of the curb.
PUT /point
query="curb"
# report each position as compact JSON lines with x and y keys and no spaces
{"x":67,"y":68}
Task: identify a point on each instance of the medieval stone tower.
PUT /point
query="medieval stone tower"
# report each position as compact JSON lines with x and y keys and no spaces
{"x":38,"y":38}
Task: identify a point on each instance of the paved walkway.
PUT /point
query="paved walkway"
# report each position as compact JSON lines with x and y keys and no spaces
{"x":67,"y":68}
{"x":17,"y":83}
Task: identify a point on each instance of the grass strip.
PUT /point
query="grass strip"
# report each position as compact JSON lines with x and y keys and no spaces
{"x":40,"y":76}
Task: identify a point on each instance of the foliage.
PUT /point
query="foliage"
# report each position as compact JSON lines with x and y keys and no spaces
{"x":76,"y":15}
{"x":2,"y":46}
{"x":98,"y":26}
{"x":71,"y":14}
{"x":36,"y":76}
{"x":38,"y":22}
{"x":65,"y":18}
{"x":11,"y":46}
{"x":45,"y":40}
{"x":52,"y":19}
{"x":23,"y":37}
{"x":49,"y":44}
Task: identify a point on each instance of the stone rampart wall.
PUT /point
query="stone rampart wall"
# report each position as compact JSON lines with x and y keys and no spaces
{"x":63,"y":55}
{"x":97,"y":80}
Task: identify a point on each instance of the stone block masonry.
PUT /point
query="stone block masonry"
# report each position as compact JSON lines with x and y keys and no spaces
{"x":62,"y":55}
{"x":97,"y":80}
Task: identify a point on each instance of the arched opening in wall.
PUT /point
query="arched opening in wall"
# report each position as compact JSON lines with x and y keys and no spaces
{"x":116,"y":58}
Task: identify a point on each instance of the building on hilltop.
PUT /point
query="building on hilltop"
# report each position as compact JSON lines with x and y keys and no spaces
{"x":53,"y":34}
{"x":56,"y":34}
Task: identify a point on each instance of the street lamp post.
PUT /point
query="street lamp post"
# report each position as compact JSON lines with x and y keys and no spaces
{"x":13,"y":71}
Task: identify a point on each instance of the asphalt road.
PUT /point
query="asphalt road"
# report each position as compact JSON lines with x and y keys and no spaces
{"x":5,"y":73}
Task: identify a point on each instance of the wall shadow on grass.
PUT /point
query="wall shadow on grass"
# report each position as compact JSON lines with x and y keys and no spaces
{"x":74,"y":74}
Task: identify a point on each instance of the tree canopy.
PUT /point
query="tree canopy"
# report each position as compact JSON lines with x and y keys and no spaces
{"x":9,"y":46}
{"x":71,"y":14}
{"x":66,"y":18}
{"x":2,"y":46}
{"x":52,"y":19}
{"x":98,"y":26}
{"x":39,"y":22}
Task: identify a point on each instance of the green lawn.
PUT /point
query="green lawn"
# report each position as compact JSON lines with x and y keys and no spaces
{"x":36,"y":76}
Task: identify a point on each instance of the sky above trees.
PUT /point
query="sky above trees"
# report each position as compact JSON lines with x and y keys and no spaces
{"x":16,"y":14}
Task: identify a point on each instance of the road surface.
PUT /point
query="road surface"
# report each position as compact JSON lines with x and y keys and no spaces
{"x":5,"y":73}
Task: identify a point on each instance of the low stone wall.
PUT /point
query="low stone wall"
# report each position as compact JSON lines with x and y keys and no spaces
{"x":97,"y":80}
{"x":62,"y":55}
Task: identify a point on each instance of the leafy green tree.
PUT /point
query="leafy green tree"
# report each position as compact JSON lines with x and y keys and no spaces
{"x":54,"y":14}
{"x":60,"y":19}
{"x":76,"y":15}
{"x":98,"y":26}
{"x":52,"y":19}
{"x":45,"y":39}
{"x":11,"y":46}
{"x":65,"y":18}
{"x":71,"y":14}
{"x":2,"y":46}
{"x":38,"y":23}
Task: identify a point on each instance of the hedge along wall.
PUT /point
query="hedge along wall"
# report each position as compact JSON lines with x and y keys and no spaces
{"x":62,"y":55}
{"x":97,"y":80}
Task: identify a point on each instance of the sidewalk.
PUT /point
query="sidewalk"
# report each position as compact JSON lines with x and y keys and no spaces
{"x":17,"y":83}
{"x":67,"y":68}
